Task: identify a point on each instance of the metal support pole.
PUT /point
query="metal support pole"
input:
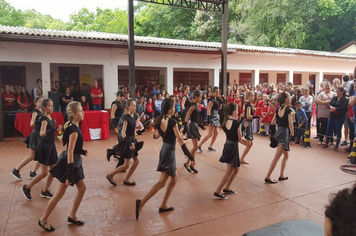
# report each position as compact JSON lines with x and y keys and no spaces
{"x":131,"y":44}
{"x":224,"y":48}
{"x":1,"y":118}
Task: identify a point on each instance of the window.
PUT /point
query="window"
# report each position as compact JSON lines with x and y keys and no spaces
{"x":245,"y":78}
{"x":141,"y":76}
{"x":281,"y":78}
{"x":263,"y":78}
{"x":297,"y":79}
{"x":13,"y":75}
{"x":190,"y":78}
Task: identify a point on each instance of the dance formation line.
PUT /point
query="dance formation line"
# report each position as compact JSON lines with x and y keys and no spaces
{"x":68,"y":167}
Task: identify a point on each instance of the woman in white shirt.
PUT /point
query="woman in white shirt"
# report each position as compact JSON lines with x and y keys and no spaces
{"x":307,"y":104}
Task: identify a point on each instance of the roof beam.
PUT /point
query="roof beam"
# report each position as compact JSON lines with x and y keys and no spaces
{"x":202,"y":5}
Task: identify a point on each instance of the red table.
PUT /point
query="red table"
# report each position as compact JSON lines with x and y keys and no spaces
{"x":22,"y":122}
{"x":95,"y":120}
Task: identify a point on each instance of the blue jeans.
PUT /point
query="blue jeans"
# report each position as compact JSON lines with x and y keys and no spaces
{"x":334,"y":125}
{"x":96,"y":107}
{"x":300,"y":132}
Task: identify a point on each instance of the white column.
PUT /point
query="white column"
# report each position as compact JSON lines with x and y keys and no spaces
{"x":318,"y":79}
{"x":110,"y":80}
{"x":216,"y":78}
{"x":169,"y":80}
{"x":255,"y":74}
{"x":46,"y":78}
{"x":289,"y":76}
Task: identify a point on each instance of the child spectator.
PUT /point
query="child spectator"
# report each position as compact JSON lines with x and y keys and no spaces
{"x":302,"y":120}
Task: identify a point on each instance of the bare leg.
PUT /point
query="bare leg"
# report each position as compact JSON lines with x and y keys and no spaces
{"x":132,"y":169}
{"x":155,"y":188}
{"x":78,"y":198}
{"x":43,"y":174}
{"x":37,"y":166}
{"x":125,"y":166}
{"x":193,"y":151}
{"x":232,"y":177}
{"x":53,"y":202}
{"x":246,"y":150}
{"x":209,"y":135}
{"x":116,"y":130}
{"x":49,"y":180}
{"x":215,"y":135}
{"x":27,"y":160}
{"x":229,"y":170}
{"x":169,"y":190}
{"x":277,"y":155}
{"x":284,"y":163}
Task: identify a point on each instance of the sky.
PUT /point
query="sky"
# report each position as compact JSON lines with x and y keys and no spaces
{"x":63,"y":8}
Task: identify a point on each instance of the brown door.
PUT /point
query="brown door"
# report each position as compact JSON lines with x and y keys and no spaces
{"x":312,"y":81}
{"x":245,"y":78}
{"x":281,"y":79}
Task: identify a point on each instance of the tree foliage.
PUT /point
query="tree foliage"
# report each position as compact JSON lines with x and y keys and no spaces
{"x":309,"y":24}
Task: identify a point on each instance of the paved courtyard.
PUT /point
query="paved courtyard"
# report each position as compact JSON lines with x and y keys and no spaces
{"x":107,"y":210}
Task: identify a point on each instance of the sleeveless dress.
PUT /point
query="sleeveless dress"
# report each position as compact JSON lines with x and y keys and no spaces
{"x":282,"y":134}
{"x":214,"y":113}
{"x":46,"y":152}
{"x":118,"y":113}
{"x":59,"y":171}
{"x":230,"y":153}
{"x":248,"y":132}
{"x":34,"y":138}
{"x":167,"y":156}
{"x":193,"y":127}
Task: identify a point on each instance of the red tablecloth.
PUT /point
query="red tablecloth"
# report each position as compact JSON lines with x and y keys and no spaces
{"x":94,"y":120}
{"x":22,"y":122}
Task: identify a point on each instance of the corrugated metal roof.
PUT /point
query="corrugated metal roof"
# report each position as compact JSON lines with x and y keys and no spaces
{"x":10,"y":30}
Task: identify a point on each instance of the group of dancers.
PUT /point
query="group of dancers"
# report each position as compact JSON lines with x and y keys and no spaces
{"x":68,"y":167}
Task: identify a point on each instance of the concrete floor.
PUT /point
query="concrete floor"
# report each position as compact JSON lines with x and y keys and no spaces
{"x":107,"y":210}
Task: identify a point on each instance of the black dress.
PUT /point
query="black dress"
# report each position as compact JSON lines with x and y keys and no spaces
{"x":282,"y":134}
{"x":214,"y":112}
{"x":248,"y":132}
{"x":167,"y":156}
{"x":59,"y":171}
{"x":193,"y":127}
{"x":230,"y":153}
{"x":118,"y":113}
{"x":187,"y":105}
{"x":46,"y":152}
{"x":34,"y":138}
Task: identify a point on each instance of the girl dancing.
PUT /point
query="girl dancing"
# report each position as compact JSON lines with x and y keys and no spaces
{"x":230,"y":154}
{"x":168,"y":130}
{"x":69,"y":169}
{"x":283,"y":118}
{"x":248,"y":134}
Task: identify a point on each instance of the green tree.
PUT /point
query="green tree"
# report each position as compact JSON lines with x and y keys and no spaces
{"x":9,"y":15}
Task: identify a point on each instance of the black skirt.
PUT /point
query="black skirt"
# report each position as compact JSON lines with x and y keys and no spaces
{"x":32,"y":140}
{"x":167,"y":159}
{"x":281,"y":136}
{"x":193,"y":130}
{"x":123,"y":148}
{"x":247,"y":132}
{"x":230,"y":153}
{"x":46,"y":154}
{"x":114,"y":122}
{"x":59,"y":171}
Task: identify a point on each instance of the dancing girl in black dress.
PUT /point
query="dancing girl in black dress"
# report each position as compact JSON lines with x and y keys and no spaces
{"x":168,"y":130}
{"x":230,"y":154}
{"x":69,"y":169}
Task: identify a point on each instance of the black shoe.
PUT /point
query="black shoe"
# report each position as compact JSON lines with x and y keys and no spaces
{"x":108,"y":154}
{"x":193,"y":169}
{"x":212,"y":149}
{"x":200,"y":150}
{"x":325,"y":146}
{"x":316,"y":137}
{"x":26,"y":192}
{"x":111,"y":182}
{"x":32,"y":174}
{"x":281,"y":178}
{"x":222,"y":196}
{"x":138,"y":203}
{"x":160,"y":210}
{"x":46,"y":229}
{"x":76,"y":222}
{"x":336,"y":147}
{"x":46,"y":194}
{"x":16,"y":174}
{"x":130,"y":184}
{"x":297,"y":142}
{"x":270,"y":181}
{"x":229,"y":191}
{"x":186,"y":167}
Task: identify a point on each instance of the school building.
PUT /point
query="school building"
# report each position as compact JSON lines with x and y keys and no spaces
{"x":80,"y":57}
